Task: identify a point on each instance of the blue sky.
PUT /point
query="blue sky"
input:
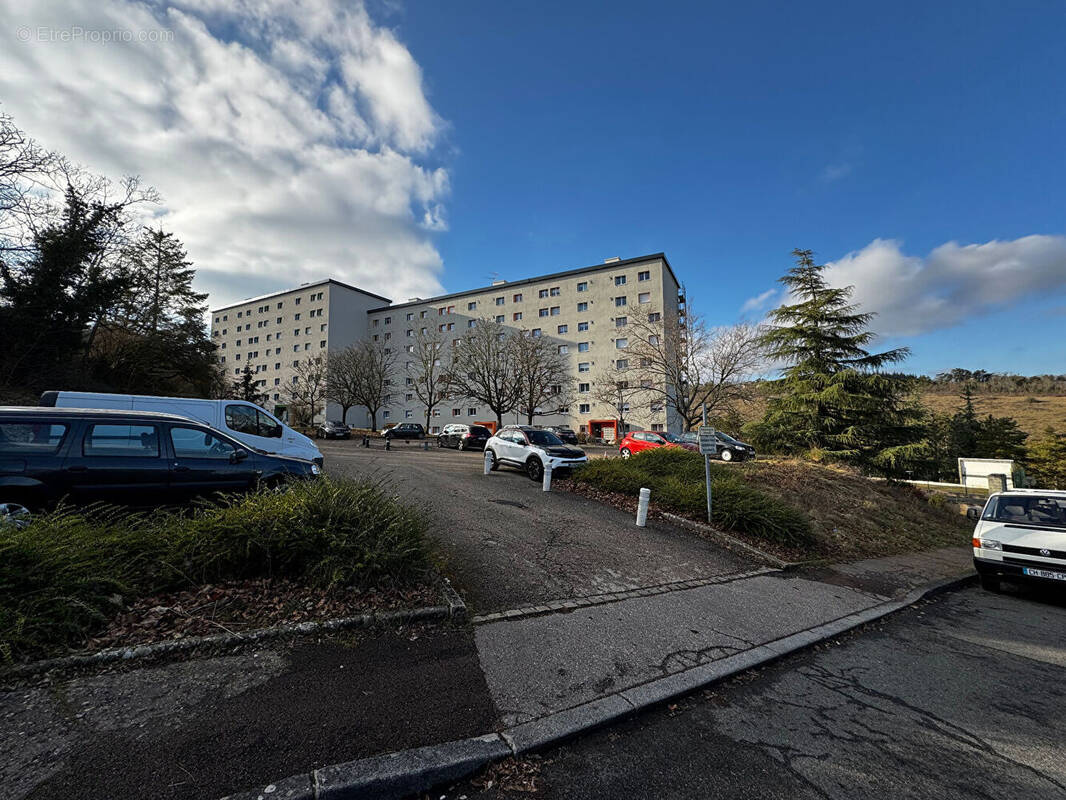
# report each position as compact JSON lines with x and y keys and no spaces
{"x":726,"y":134}
{"x":425,"y":147}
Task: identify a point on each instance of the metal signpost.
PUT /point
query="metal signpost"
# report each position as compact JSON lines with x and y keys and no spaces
{"x":708,"y":447}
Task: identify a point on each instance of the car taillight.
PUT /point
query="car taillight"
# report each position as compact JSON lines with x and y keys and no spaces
{"x":976,"y":542}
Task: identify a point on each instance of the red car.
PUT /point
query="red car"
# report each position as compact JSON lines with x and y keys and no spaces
{"x":635,"y":441}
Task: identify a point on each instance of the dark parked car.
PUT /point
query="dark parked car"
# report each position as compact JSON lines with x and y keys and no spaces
{"x":729,"y":449}
{"x":463,"y":437}
{"x":333,"y":429}
{"x":124,"y":457}
{"x":406,"y":430}
{"x":564,"y":433}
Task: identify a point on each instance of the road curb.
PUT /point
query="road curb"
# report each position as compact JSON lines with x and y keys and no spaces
{"x":401,"y":774}
{"x":453,"y":610}
{"x":730,"y":542}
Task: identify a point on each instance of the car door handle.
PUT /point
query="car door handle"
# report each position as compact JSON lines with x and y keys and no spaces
{"x":78,"y":468}
{"x":178,"y":468}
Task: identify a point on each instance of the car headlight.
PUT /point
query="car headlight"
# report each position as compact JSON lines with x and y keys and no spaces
{"x":315,"y":469}
{"x":991,"y":544}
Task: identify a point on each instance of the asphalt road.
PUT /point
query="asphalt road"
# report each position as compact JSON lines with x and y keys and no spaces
{"x":960,"y":697}
{"x":509,"y":544}
{"x":207,"y":727}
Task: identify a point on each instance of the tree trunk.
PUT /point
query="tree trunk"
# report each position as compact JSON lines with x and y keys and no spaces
{"x":344,"y":413}
{"x":373,"y":419}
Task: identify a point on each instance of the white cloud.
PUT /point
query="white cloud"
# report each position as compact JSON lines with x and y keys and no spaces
{"x":300,"y":149}
{"x":834,"y":172}
{"x":759,"y":302}
{"x":954,"y":283}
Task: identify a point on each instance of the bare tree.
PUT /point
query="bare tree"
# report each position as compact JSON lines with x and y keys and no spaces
{"x":484,"y":367}
{"x":307,"y":391}
{"x":425,"y":371}
{"x":545,"y":384}
{"x":620,"y":389}
{"x":359,"y":375}
{"x":690,"y":365}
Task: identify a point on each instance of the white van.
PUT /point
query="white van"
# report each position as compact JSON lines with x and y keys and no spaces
{"x":1021,"y":534}
{"x":242,"y":420}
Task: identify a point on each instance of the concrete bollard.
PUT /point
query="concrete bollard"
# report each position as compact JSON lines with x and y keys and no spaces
{"x":388,"y":443}
{"x":488,"y":461}
{"x":546,"y":482}
{"x":425,"y":445}
{"x":642,"y":507}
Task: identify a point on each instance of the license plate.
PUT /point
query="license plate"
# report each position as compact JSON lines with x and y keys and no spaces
{"x":1043,"y":573}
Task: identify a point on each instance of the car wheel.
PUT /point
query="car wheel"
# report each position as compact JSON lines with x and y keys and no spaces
{"x":990,"y":583}
{"x":494,"y":463}
{"x":535,"y":469}
{"x":15,"y":514}
{"x":440,"y":442}
{"x":624,"y":452}
{"x":727,"y":455}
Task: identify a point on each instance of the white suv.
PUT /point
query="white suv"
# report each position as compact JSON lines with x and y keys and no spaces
{"x":1021,"y":534}
{"x":531,"y":449}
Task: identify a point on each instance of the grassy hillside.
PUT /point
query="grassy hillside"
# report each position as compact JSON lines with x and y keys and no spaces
{"x":797,"y":509}
{"x":1033,"y":413}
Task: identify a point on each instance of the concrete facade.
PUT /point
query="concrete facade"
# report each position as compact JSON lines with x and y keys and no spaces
{"x":583,"y":311}
{"x":272,"y":332}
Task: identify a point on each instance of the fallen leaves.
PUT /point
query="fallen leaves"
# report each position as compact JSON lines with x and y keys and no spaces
{"x":238,"y":606}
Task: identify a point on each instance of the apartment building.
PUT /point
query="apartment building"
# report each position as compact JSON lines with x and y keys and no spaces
{"x":583,"y":311}
{"x":271,"y":333}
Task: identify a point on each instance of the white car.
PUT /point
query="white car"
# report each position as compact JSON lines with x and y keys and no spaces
{"x":531,"y":449}
{"x":1021,"y":534}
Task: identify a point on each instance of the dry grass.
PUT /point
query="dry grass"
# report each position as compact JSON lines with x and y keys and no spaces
{"x":858,"y":517}
{"x":1033,"y":414}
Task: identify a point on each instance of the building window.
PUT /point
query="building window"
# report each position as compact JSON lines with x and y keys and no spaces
{"x":296,"y":316}
{"x":654,"y":316}
{"x":471,"y":412}
{"x":582,"y":326}
{"x":500,"y":318}
{"x":621,"y":344}
{"x":619,"y":280}
{"x":410,"y":315}
{"x":322,"y":343}
{"x":542,"y":293}
{"x":499,"y":301}
{"x":471,"y":323}
{"x":644,"y":276}
{"x":409,"y":333}
{"x":516,"y":298}
{"x":644,"y":297}
{"x":583,"y":388}
{"x":563,"y":349}
{"x":622,"y":363}
{"x":407,"y":414}
{"x":457,"y":412}
{"x":583,"y":366}
{"x":582,"y":306}
{"x":553,"y":292}
{"x":388,"y":320}
{"x":535,"y":333}
{"x":385,"y":414}
{"x":584,"y":408}
{"x":583,"y":286}
{"x":423,"y":315}
{"x":517,"y":316}
{"x":562,"y":329}
{"x":555,"y":311}
{"x":582,"y":347}
{"x":543,"y":312}
{"x":653,"y":340}
{"x":620,"y":322}
{"x":619,"y":302}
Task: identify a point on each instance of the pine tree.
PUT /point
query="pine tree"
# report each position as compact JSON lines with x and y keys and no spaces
{"x":1046,"y":461}
{"x":245,"y":388}
{"x":831,"y":399}
{"x":161,"y":279}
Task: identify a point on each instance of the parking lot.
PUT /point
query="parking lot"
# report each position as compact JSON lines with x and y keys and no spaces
{"x":509,"y":544}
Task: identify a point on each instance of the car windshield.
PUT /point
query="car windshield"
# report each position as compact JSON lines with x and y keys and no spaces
{"x":671,"y":438}
{"x":725,"y":437}
{"x":543,"y":438}
{"x":1027,"y":509}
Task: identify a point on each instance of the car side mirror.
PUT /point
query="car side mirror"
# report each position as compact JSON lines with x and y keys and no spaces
{"x":973,"y":514}
{"x":238,"y":455}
